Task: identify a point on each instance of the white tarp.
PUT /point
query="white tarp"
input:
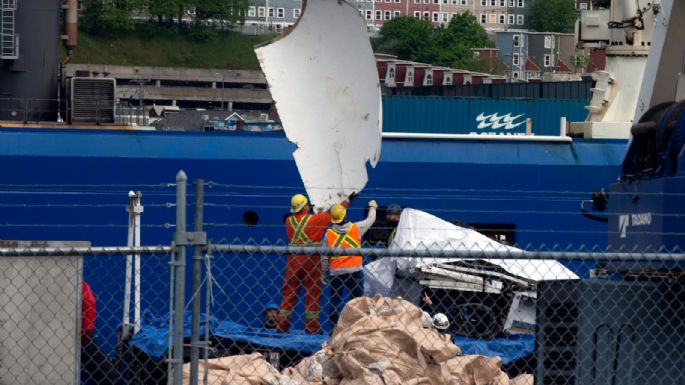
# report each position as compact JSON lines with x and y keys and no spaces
{"x":420,"y":230}
{"x":323,"y":77}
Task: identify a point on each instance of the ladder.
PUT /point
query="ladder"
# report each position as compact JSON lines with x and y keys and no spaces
{"x":9,"y":47}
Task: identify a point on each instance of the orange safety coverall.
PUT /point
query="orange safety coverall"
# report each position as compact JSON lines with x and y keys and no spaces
{"x":303,"y":270}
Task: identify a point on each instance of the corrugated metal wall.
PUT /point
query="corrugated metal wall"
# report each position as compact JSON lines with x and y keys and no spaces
{"x":440,"y":115}
{"x":576,"y":90}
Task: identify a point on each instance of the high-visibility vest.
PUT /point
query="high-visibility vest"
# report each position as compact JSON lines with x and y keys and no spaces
{"x":300,"y":237}
{"x":349,"y":240}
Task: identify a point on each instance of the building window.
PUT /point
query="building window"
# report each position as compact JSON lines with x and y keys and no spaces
{"x":483,"y":3}
{"x":397,"y":1}
{"x":369,"y":14}
{"x":483,"y":18}
{"x":386,"y":15}
{"x":410,"y":77}
{"x":517,"y":40}
{"x":296,"y":13}
{"x":436,"y":1}
{"x":548,"y":42}
{"x":510,"y":19}
{"x":445,"y":17}
{"x":397,"y":14}
{"x":583,"y":6}
{"x":519,"y":19}
{"x":493,"y":3}
{"x":515,"y":60}
{"x":417,"y":14}
{"x":521,"y":3}
{"x":429,"y":79}
{"x":502,"y":19}
{"x":417,"y":1}
{"x":502,"y":3}
{"x":464,"y":2}
{"x":548,"y":60}
{"x":379,"y":15}
{"x":391,"y":73}
{"x":512,"y":3}
{"x":280,"y":13}
{"x":448,"y":80}
{"x":436,"y":16}
{"x":251,"y":11}
{"x":271,"y":12}
{"x":515,"y":74}
{"x":426,"y":16}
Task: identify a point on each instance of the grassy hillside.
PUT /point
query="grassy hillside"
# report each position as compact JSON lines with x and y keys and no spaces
{"x":170,"y":48}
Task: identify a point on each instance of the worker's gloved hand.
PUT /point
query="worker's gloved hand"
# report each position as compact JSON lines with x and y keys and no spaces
{"x":352,"y":197}
{"x":373,"y":204}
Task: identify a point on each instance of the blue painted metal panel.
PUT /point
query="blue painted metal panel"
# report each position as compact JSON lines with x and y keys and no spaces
{"x":80,"y":182}
{"x":478,"y":116}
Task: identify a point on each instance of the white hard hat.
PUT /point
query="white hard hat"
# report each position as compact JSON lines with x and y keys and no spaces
{"x":440,"y":321}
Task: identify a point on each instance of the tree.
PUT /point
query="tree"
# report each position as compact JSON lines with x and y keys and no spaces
{"x":553,"y":15}
{"x":169,"y":9}
{"x":224,"y":11}
{"x":405,"y":37}
{"x":109,"y":17}
{"x":452,"y":45}
{"x":411,"y":38}
{"x":489,"y":65}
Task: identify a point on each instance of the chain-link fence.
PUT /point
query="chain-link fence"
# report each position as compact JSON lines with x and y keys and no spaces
{"x":423,"y":302}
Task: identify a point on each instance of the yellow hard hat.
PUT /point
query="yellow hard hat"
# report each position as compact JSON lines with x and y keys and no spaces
{"x":297,"y":203}
{"x":337,"y":213}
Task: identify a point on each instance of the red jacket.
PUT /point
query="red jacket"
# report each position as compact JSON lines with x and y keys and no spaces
{"x":88,"y":310}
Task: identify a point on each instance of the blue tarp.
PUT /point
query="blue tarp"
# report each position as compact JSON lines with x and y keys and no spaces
{"x":295,"y":340}
{"x":508,"y":349}
{"x":153,"y":337}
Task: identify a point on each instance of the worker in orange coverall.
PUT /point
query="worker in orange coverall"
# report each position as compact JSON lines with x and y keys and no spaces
{"x":303,"y":229}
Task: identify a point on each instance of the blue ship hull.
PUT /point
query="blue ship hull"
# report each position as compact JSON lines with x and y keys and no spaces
{"x":73,"y":185}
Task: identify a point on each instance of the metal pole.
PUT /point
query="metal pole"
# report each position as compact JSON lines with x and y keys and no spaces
{"x":181,"y":182}
{"x":137,"y":210}
{"x":222,"y":92}
{"x":129,"y":267}
{"x":197,"y":275}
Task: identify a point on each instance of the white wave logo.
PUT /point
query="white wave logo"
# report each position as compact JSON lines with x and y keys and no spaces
{"x":496,"y":121}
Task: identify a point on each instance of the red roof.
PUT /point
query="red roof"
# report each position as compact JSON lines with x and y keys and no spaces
{"x":597,"y":60}
{"x":562,"y":67}
{"x":531,"y":67}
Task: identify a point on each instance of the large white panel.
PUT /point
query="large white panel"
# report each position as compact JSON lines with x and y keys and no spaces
{"x":323,"y":78}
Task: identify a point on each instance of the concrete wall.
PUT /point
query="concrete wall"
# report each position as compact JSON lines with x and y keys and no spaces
{"x":239,"y":86}
{"x":40,"y":316}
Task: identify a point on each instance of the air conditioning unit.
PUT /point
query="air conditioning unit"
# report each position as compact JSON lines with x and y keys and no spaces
{"x":92,"y":100}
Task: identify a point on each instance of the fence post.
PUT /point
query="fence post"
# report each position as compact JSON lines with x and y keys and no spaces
{"x":197,"y":275}
{"x":181,"y":182}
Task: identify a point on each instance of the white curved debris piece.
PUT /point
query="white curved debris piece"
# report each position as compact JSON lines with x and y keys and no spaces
{"x":323,"y":78}
{"x":420,"y":230}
